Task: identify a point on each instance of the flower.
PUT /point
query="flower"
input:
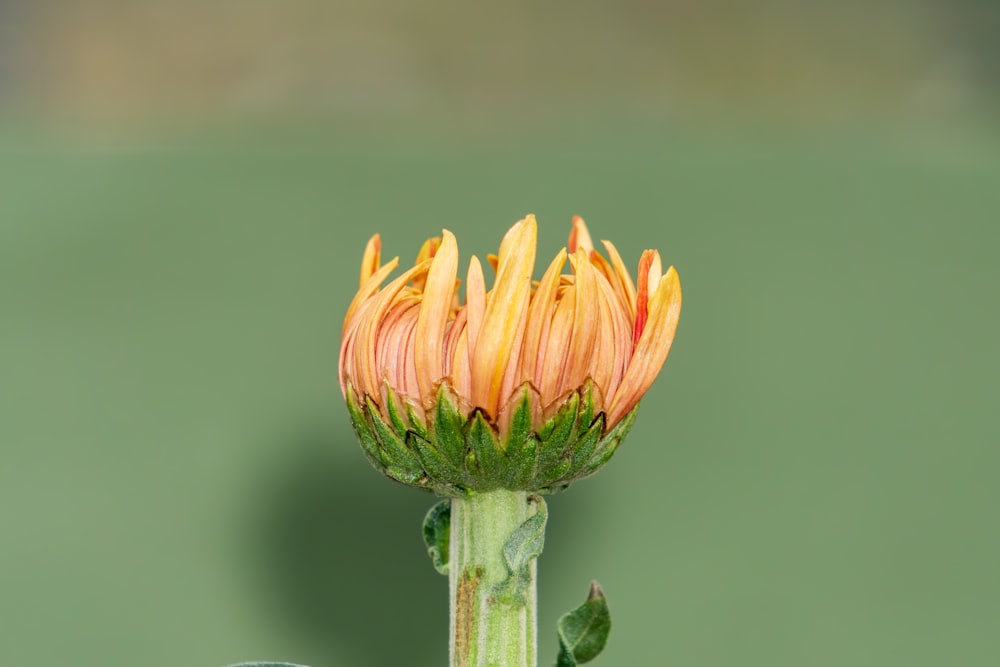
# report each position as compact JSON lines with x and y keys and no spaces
{"x":526,"y":386}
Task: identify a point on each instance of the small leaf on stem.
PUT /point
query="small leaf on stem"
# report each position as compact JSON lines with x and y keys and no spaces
{"x":437,"y":528}
{"x":524,"y":545}
{"x":584,"y":631}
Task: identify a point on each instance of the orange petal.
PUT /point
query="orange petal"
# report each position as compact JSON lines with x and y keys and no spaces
{"x":427,"y":251}
{"x":539,"y":318}
{"x":370,"y":287}
{"x":455,"y":329}
{"x":366,"y":370}
{"x":652,"y":348}
{"x":512,"y":373}
{"x":475,"y":301}
{"x":579,"y":352}
{"x":392,"y":333}
{"x":601,"y":364}
{"x":434,"y":311}
{"x":579,"y":237}
{"x":552,"y":352}
{"x":461,"y":368}
{"x":620,"y":323}
{"x":646,"y":287}
{"x":370,"y":260}
{"x":504,"y":313}
{"x":625,"y":287}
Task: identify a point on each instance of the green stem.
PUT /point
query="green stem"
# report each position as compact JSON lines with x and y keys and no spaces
{"x":489,"y":627}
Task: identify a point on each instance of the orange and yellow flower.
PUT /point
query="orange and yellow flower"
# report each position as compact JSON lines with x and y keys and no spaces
{"x":426,"y":374}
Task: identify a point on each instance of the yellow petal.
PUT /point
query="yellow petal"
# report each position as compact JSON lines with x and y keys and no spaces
{"x":504,"y":313}
{"x":652,"y":348}
{"x":434,"y":311}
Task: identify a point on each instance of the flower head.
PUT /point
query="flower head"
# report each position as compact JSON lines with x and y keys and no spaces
{"x":528,"y":385}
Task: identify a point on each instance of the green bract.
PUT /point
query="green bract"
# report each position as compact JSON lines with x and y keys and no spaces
{"x":453,"y":455}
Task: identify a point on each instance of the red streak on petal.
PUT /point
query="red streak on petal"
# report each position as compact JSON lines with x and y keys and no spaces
{"x":642,"y":300}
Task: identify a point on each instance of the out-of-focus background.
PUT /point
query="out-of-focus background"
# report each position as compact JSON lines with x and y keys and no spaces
{"x":185,"y":190}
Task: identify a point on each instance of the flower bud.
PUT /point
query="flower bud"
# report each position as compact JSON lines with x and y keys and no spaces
{"x":528,"y":386}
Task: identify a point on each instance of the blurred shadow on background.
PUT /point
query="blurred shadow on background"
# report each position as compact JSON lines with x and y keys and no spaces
{"x":338,"y":554}
{"x":341,"y":560}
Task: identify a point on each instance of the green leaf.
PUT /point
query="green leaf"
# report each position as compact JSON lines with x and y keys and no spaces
{"x":448,"y":436}
{"x":266,"y":664}
{"x":528,"y":539}
{"x":437,"y":530}
{"x":583,"y":632}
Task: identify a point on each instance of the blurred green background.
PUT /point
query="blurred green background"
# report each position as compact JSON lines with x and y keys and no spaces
{"x":185,"y":191}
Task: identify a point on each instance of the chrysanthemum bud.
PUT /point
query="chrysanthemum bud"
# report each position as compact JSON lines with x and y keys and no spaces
{"x":527,"y":386}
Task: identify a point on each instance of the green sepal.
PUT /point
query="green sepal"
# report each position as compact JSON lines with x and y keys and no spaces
{"x":440,"y":470}
{"x":447,"y":429}
{"x":399,"y":455}
{"x":523,"y":546}
{"x":586,"y":407}
{"x":584,"y":448}
{"x":520,"y":425}
{"x":522,"y":465}
{"x":457,"y":455}
{"x":583,"y":632}
{"x":554,"y":474}
{"x":608,"y":445}
{"x":416,"y":424}
{"x":485,"y":461}
{"x":557,"y":434}
{"x":366,"y":436}
{"x":399,"y":424}
{"x":406,"y":476}
{"x":437,"y":531}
